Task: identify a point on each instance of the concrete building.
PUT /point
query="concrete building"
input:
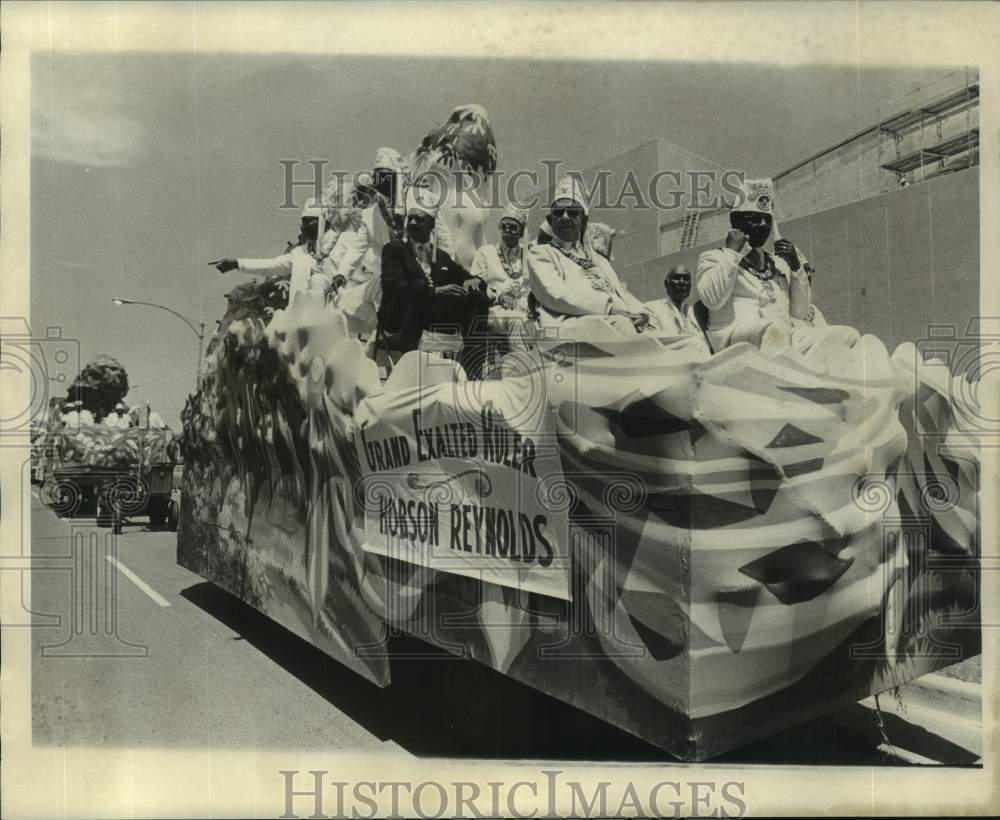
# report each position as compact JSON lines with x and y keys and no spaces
{"x":889,"y":217}
{"x":895,"y":265}
{"x":931,"y":131}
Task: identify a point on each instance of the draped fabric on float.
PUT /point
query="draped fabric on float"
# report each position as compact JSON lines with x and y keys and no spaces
{"x":736,"y":523}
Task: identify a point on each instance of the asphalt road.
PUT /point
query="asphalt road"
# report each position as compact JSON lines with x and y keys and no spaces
{"x":177,"y":670}
{"x":140,"y":652}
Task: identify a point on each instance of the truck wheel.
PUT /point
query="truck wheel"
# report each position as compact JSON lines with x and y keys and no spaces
{"x":172,"y":515}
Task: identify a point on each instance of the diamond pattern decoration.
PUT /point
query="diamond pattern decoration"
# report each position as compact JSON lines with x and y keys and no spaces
{"x":797,"y":572}
{"x":792,"y":436}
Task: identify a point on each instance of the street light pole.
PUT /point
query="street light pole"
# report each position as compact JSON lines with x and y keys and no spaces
{"x":197,"y":331}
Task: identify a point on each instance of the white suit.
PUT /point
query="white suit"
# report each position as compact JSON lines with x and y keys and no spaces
{"x":673,"y":319}
{"x":745,"y":308}
{"x":565,"y":290}
{"x":304,"y":271}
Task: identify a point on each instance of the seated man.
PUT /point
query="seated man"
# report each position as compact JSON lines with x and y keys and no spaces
{"x":305,"y":267}
{"x":84,"y":417}
{"x":357,"y":257}
{"x":569,"y":280}
{"x":502,"y":267}
{"x":752,"y":296}
{"x":118,"y":417}
{"x":424,"y":289}
{"x":672,"y":313}
{"x":70,"y":414}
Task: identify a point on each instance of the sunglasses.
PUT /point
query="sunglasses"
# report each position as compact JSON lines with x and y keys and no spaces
{"x":572,"y":213}
{"x":509,"y":227}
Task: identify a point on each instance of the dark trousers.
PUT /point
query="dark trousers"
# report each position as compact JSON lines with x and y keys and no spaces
{"x":416,"y":309}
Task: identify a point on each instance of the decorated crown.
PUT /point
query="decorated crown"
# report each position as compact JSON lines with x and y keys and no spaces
{"x":519,"y":215}
{"x":569,"y":187}
{"x":756,"y":196}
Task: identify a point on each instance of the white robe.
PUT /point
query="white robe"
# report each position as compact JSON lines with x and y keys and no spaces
{"x":674,"y":319}
{"x":743,"y":308}
{"x":304,"y":271}
{"x":507,"y":321}
{"x":566,"y":291}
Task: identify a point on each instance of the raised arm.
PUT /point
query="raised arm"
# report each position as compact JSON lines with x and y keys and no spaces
{"x":717,"y":272}
{"x":276,"y":266}
{"x":799,"y":294}
{"x":791,"y":263}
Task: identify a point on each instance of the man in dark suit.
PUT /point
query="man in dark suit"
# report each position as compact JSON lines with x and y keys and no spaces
{"x":423,"y":288}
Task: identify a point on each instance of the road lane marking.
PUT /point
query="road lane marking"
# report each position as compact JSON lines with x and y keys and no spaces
{"x":135,"y":579}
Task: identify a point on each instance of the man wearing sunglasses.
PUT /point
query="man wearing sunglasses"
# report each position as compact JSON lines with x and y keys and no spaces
{"x":756,"y":297}
{"x":502,"y":267}
{"x":570,"y":281}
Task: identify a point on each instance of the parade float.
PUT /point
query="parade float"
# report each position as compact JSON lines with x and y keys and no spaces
{"x":89,"y":463}
{"x":700,"y":550}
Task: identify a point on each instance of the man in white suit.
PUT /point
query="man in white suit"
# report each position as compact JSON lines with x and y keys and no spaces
{"x":758,"y":298}
{"x":751,"y":295}
{"x":570,"y":281}
{"x":305,"y":267}
{"x":673,"y":312}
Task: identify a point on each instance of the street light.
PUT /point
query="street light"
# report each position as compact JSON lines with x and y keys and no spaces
{"x":197,"y":331}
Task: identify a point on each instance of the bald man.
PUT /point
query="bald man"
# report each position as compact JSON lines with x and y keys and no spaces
{"x":673,"y":314}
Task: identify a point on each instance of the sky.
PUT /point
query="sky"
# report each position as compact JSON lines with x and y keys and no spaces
{"x":147,"y":166}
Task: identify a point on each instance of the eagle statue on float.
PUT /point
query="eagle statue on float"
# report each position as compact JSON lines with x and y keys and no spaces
{"x":463,"y":144}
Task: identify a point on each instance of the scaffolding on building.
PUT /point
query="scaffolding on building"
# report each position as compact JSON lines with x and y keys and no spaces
{"x":937,"y":133}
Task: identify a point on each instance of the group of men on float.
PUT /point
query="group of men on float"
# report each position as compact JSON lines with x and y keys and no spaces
{"x":74,"y":415}
{"x":397,"y":269}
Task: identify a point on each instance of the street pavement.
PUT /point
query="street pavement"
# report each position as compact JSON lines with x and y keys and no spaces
{"x":143,"y":653}
{"x":177,"y":671}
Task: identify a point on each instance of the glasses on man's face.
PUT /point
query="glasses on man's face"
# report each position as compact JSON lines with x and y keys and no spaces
{"x":572,"y":213}
{"x":509,"y":227}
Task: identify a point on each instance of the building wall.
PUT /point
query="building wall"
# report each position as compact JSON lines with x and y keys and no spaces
{"x":853,"y":171}
{"x":846,"y":174}
{"x":890,"y":265}
{"x":641,"y":222}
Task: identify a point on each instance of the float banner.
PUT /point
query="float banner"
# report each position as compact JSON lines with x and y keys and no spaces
{"x":457,"y":478}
